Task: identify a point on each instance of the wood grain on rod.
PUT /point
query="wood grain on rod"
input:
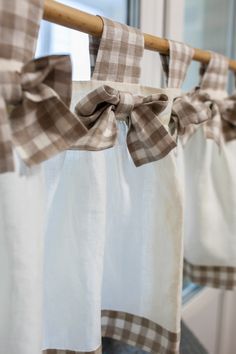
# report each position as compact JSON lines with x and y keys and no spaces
{"x":75,"y":19}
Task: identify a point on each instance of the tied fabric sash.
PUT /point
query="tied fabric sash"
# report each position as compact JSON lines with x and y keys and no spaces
{"x":217,"y":117}
{"x":147,"y":138}
{"x":34,"y":117}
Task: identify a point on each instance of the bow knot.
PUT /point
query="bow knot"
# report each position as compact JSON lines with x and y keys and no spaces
{"x":124,"y":106}
{"x":197,"y":108}
{"x":147,"y":139}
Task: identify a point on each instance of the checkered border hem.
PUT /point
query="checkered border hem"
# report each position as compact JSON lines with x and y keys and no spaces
{"x":58,"y":351}
{"x":139,"y":332}
{"x":212,"y":276}
{"x":135,"y":331}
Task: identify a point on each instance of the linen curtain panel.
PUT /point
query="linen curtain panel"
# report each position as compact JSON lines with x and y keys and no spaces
{"x":114,"y":234}
{"x":97,"y":200}
{"x":209,"y":178}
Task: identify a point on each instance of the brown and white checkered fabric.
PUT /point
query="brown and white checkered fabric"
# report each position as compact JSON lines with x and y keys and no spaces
{"x":139,"y":332}
{"x":147,"y":139}
{"x":40,"y":124}
{"x":198,"y":107}
{"x":193,"y":109}
{"x":175,"y":65}
{"x":34,"y":116}
{"x":213,"y":276}
{"x":214,"y":75}
{"x":19,"y":25}
{"x":136,"y":331}
{"x":228,"y":115}
{"x":94,"y":43}
{"x":59,"y":351}
{"x":118,"y":55}
{"x":189,"y":110}
{"x":117,"y":58}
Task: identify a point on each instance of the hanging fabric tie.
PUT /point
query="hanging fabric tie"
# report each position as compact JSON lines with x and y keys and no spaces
{"x":34,"y":114}
{"x":117,"y":54}
{"x":199,"y":108}
{"x":148,"y":139}
{"x":176,"y":64}
{"x":175,"y":68}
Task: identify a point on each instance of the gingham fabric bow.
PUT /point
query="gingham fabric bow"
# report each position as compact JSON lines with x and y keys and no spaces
{"x":117,"y":57}
{"x":199,"y":107}
{"x":193,"y":109}
{"x":218,"y":117}
{"x":34,"y":117}
{"x":147,"y":139}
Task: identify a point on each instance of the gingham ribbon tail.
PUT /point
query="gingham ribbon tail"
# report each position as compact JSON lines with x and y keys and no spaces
{"x":228,"y":114}
{"x":147,"y":138}
{"x":34,"y":118}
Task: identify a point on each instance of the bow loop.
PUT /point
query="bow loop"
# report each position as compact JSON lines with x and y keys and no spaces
{"x":125,"y":105}
{"x":47,"y":77}
{"x":10,"y":87}
{"x":37,"y":129}
{"x":148,"y":139}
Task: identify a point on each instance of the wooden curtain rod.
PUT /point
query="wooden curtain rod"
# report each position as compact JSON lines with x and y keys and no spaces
{"x":82,"y":21}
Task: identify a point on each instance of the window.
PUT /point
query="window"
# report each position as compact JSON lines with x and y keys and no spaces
{"x":64,"y":40}
{"x":210,"y":25}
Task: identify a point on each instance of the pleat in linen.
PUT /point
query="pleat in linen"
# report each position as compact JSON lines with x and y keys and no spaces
{"x":21,"y":263}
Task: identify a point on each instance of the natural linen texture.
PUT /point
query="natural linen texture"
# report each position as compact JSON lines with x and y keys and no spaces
{"x":210,"y":173}
{"x":117,"y":240}
{"x":35,"y":124}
